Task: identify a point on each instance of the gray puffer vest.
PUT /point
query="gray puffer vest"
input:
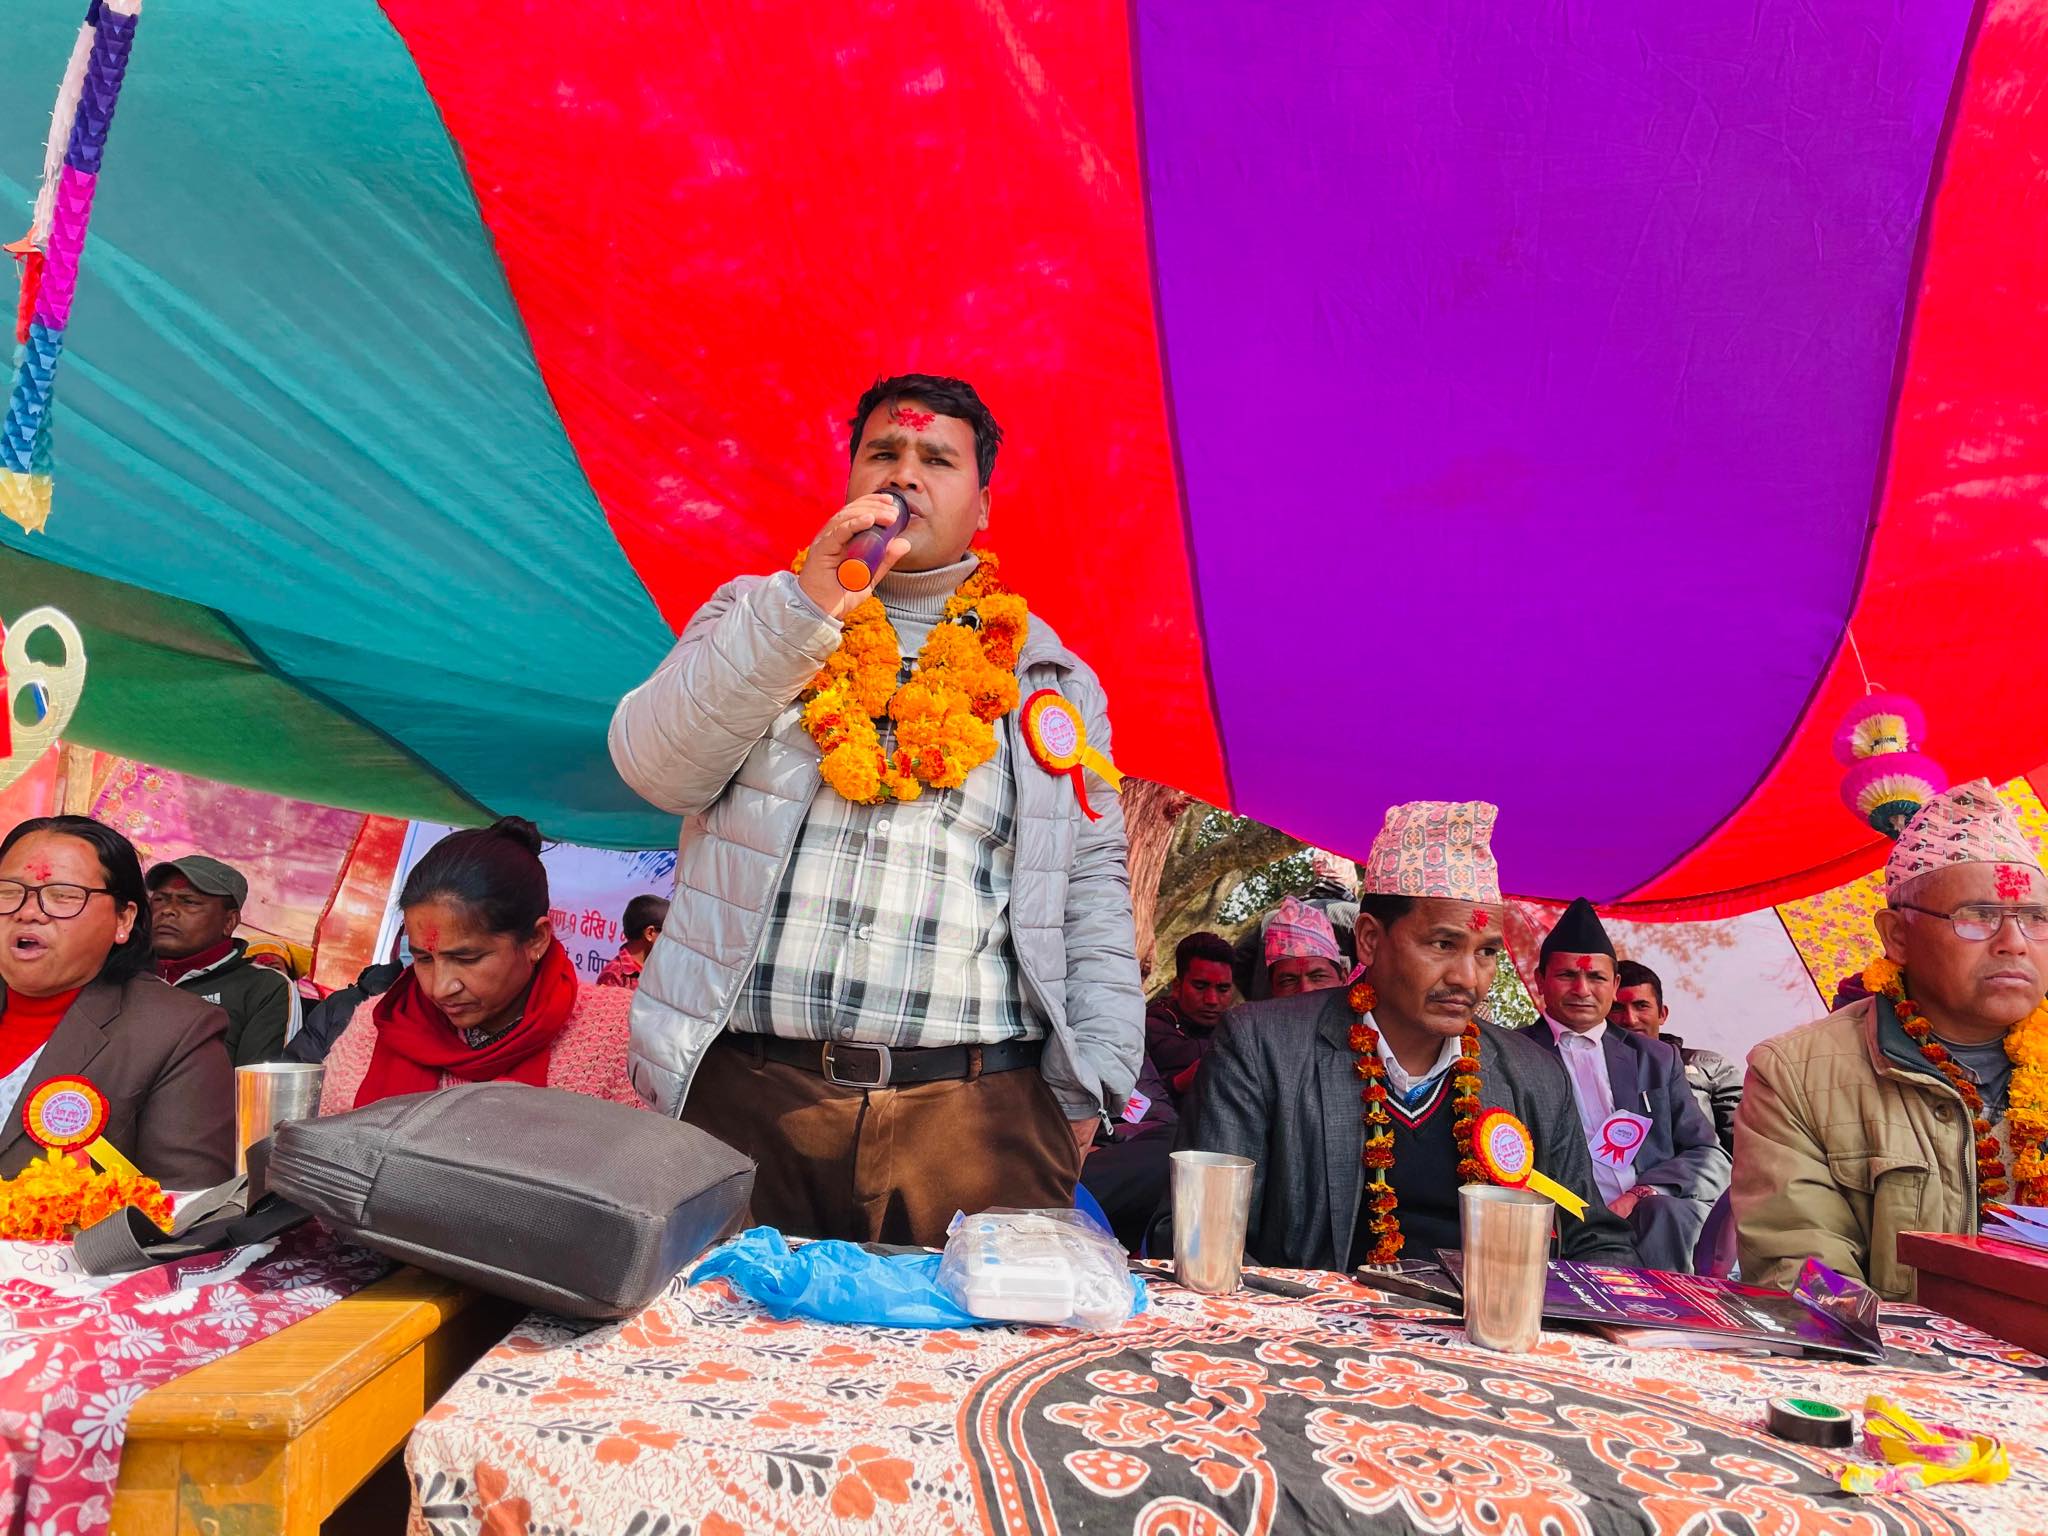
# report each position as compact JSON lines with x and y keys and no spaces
{"x":715,"y":736}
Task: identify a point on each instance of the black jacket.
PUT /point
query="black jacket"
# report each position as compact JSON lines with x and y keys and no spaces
{"x":326,"y":1019}
{"x":256,"y":999}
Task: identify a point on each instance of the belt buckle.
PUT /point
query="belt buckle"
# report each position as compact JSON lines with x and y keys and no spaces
{"x":883,"y":1064}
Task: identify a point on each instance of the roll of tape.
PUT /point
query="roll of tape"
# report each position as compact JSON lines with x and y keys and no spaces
{"x":1806,"y":1422}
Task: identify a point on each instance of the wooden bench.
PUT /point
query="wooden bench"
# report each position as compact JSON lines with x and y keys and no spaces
{"x":273,"y":1438}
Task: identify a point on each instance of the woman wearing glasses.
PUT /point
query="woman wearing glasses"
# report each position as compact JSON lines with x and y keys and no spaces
{"x":80,"y":1000}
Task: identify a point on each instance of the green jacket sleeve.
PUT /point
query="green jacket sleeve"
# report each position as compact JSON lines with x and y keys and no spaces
{"x":1785,"y":1202}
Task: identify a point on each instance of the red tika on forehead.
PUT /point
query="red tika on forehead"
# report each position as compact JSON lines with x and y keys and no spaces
{"x":917,"y":421}
{"x":1479,"y":922}
{"x":40,"y":870}
{"x":2013,"y":883}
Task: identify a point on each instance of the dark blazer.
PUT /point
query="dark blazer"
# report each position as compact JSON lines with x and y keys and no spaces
{"x":1681,"y":1154}
{"x":159,"y":1057}
{"x":1280,"y":1087}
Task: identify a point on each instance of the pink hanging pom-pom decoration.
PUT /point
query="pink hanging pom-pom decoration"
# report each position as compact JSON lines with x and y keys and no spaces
{"x":1879,"y":724}
{"x":1889,"y":777}
{"x":1886,"y":792}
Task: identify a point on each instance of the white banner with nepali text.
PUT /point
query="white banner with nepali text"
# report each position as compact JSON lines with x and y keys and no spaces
{"x":588,"y":889}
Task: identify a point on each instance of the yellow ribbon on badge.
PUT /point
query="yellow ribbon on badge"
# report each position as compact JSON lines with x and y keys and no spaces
{"x":1504,"y":1148}
{"x":68,"y":1113}
{"x":1058,"y":739}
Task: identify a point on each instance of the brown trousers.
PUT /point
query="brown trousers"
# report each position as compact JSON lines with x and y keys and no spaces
{"x":887,"y":1165}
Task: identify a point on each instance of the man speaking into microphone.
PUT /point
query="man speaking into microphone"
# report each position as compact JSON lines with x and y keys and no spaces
{"x":899,"y":969}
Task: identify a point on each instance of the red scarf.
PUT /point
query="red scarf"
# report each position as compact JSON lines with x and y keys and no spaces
{"x":416,"y":1044}
{"x":175,"y":971}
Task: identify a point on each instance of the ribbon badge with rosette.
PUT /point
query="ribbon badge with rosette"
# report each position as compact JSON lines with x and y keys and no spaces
{"x":68,"y":1113}
{"x":1504,"y":1148}
{"x":1058,"y":739}
{"x":1619,"y":1138}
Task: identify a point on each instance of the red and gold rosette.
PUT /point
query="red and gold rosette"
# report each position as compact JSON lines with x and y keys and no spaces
{"x":68,"y":1114}
{"x":1503,"y":1146}
{"x":1058,"y":739}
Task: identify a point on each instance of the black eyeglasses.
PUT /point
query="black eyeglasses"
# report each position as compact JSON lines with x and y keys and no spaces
{"x":1977,"y":922}
{"x":55,"y":900}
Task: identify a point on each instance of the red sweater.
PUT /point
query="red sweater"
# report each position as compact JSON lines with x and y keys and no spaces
{"x":28,"y":1023}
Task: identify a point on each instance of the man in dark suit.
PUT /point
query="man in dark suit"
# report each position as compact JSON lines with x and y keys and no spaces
{"x":1281,"y":1085}
{"x":1716,"y":1081}
{"x":1657,"y":1160}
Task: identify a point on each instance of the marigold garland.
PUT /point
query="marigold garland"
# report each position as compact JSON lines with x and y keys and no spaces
{"x":2026,"y":1107}
{"x":944,"y":714}
{"x":57,"y":1195}
{"x":2026,"y":1116}
{"x":1381,"y":1202}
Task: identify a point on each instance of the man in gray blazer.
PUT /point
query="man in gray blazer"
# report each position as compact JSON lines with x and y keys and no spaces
{"x":1656,"y":1157}
{"x":1282,"y":1084}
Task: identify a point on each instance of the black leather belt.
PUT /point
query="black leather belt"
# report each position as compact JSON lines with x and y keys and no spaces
{"x":884,"y":1066}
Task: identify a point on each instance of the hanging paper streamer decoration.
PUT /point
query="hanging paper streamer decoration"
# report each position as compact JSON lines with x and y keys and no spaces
{"x":1889,"y":777}
{"x":50,"y":252}
{"x":36,"y":697}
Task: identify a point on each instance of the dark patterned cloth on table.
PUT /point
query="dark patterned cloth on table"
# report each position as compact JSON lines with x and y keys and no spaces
{"x":1207,"y":1416}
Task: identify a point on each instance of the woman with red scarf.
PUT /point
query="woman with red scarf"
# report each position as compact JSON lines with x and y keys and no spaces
{"x":490,"y":995}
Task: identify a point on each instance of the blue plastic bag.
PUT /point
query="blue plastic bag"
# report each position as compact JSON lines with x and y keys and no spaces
{"x":834,"y":1282}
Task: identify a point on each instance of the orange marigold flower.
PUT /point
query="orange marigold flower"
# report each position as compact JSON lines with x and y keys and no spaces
{"x":1887,"y":979}
{"x":963,"y":681}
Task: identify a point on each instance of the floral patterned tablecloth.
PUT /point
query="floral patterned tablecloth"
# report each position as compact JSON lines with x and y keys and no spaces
{"x":77,"y":1351}
{"x":1206,"y":1416}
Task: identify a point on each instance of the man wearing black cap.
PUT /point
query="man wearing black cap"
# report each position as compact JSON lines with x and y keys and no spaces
{"x":195,"y":905}
{"x":1656,"y":1158}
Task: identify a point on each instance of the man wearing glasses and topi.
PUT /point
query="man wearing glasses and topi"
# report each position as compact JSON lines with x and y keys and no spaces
{"x":1911,"y":1109}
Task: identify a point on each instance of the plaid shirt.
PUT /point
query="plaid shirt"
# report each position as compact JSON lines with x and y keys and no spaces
{"x":892,"y":926}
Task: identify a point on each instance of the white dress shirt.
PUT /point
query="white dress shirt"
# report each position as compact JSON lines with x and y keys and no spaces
{"x":1399,"y":1084}
{"x":1585,"y":1058}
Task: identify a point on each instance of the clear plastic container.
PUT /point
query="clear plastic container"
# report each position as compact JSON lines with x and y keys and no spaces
{"x":1053,"y":1267}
